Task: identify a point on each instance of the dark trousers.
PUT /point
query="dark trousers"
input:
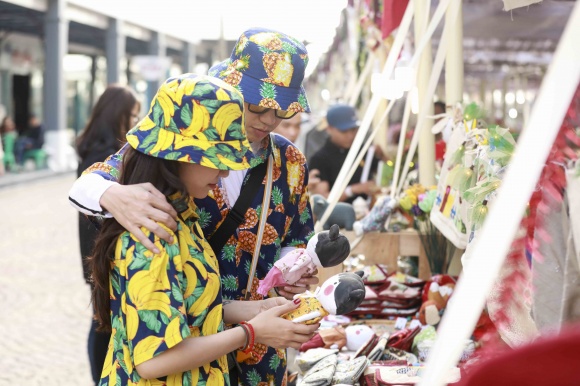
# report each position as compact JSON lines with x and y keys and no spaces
{"x":22,"y":144}
{"x":98,"y":344}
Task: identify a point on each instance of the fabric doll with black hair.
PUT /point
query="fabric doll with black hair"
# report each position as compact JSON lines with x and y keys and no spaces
{"x":324,"y":249}
{"x":339,"y":295}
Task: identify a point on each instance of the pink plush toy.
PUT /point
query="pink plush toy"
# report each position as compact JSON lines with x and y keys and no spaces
{"x":325,"y":249}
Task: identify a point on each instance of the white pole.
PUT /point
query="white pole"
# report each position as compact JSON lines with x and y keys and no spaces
{"x":401,"y":146}
{"x":454,"y":60}
{"x":427,"y":98}
{"x":426,"y":138}
{"x":353,"y":96}
{"x":341,"y":181}
{"x":504,"y":216}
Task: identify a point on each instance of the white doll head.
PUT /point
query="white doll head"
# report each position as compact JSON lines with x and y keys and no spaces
{"x":342,"y":293}
{"x":357,"y":336}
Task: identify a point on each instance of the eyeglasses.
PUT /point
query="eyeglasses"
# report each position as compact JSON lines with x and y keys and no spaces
{"x":282,"y":114}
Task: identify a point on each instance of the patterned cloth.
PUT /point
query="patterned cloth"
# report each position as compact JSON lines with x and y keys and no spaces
{"x":289,"y":225}
{"x":308,"y":305}
{"x":267,"y":67}
{"x":159,"y":300}
{"x":195,"y":119}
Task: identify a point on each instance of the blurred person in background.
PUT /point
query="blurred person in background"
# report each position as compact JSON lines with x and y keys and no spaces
{"x":342,"y":128}
{"x":267,"y":67}
{"x":31,"y":139}
{"x":290,"y":128}
{"x":116,"y":111}
{"x":8,"y":135}
{"x":440,"y":145}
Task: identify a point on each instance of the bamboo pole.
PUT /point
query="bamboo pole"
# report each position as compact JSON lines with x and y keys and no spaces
{"x":427,"y":98}
{"x":504,"y":216}
{"x":454,"y":60}
{"x":360,"y":82}
{"x":341,"y":181}
{"x":426,"y":138}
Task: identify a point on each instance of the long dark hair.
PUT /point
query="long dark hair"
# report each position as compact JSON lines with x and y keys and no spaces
{"x":137,"y":168}
{"x":109,"y":122}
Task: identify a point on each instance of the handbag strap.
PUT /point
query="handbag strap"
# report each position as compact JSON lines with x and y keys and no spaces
{"x":263,"y":219}
{"x":237,"y":214}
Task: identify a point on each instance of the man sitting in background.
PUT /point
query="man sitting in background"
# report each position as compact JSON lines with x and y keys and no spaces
{"x":342,"y":128}
{"x":33,"y":138}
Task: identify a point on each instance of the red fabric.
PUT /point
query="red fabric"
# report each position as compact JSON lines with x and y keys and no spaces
{"x":393,"y":11}
{"x":548,"y":361}
{"x":440,"y":147}
{"x":314,"y":342}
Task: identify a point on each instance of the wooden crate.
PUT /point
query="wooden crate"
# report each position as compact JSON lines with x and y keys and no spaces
{"x":385,"y":248}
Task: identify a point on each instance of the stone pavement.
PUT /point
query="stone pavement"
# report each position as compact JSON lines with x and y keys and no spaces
{"x":44,"y":301}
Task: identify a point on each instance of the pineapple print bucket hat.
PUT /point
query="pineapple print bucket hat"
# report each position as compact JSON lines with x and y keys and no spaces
{"x":267,"y":67}
{"x":196,"y":119}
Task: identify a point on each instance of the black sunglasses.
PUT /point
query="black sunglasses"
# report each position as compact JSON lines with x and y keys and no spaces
{"x":282,"y":114}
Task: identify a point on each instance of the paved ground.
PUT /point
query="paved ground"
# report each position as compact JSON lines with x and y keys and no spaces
{"x":44,"y":301}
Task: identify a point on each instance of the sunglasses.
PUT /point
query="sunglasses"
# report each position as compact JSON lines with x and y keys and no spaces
{"x":282,"y":114}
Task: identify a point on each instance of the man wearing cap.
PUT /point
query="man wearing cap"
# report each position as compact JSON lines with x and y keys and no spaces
{"x":342,"y":128}
{"x":267,"y":67}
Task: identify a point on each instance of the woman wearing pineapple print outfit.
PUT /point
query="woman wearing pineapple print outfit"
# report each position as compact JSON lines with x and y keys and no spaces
{"x":267,"y":67}
{"x":165,"y":309}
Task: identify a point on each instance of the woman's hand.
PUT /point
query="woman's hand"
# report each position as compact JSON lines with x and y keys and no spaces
{"x":140,"y":205}
{"x":276,"y":332}
{"x":299,"y":287}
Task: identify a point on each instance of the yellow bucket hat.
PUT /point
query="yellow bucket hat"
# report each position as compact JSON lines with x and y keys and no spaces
{"x":196,"y":119}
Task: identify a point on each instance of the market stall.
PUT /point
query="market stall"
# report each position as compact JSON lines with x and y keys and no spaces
{"x":420,"y":321}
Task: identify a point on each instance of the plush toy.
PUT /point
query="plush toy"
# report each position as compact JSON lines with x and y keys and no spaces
{"x":343,"y":214}
{"x":339,"y":295}
{"x":325,"y":249}
{"x":357,"y":335}
{"x":436,"y":294}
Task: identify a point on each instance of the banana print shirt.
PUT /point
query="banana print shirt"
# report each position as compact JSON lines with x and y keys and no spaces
{"x":159,"y":300}
{"x":289,"y":224}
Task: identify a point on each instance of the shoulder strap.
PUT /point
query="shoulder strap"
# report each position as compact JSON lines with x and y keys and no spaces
{"x":236,"y":216}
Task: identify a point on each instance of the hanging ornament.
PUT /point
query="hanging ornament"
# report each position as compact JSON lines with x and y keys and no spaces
{"x":464,"y":179}
{"x":479,"y":192}
{"x":477,"y":214}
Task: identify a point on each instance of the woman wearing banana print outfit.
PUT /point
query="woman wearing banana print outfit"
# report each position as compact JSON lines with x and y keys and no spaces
{"x":164,"y":310}
{"x":267,"y":67}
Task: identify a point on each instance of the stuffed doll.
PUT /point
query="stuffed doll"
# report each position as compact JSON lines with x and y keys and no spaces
{"x":325,"y":249}
{"x":342,"y":214}
{"x":339,"y":295}
{"x":436,"y":294}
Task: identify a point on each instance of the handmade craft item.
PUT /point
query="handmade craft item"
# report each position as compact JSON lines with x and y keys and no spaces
{"x":339,"y":295}
{"x":375,"y":220}
{"x":343,"y":214}
{"x":324,"y":249}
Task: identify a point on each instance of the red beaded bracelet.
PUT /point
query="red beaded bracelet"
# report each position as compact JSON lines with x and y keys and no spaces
{"x":251,"y":337}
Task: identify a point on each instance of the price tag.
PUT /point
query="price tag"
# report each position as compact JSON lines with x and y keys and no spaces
{"x":400,"y":323}
{"x":415,"y":323}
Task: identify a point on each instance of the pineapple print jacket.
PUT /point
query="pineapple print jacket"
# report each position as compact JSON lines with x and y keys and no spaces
{"x":289,"y":224}
{"x":159,"y":300}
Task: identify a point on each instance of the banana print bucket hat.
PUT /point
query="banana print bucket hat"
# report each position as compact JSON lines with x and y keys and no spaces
{"x":196,"y":119}
{"x":267,"y":67}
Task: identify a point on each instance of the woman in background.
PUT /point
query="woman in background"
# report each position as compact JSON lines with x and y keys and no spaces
{"x":116,"y":111}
